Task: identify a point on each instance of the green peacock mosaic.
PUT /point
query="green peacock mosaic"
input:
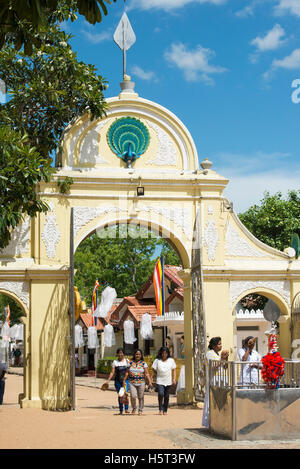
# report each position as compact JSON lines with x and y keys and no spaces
{"x":128,"y":138}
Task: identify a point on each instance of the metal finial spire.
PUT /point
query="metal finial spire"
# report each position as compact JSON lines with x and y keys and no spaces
{"x":124,"y":37}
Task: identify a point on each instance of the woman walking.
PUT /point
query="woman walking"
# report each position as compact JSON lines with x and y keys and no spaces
{"x":137,"y":372}
{"x":119,"y":369}
{"x":165,"y":368}
{"x":214,"y":353}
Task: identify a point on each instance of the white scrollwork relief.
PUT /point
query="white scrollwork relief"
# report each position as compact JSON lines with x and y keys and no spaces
{"x":19,"y":243}
{"x":166,"y":154}
{"x":51,"y":234}
{"x":89,"y":148}
{"x":237,"y":287}
{"x":211,"y":239}
{"x":238,"y":246}
{"x":180,"y":216}
{"x":19,"y":288}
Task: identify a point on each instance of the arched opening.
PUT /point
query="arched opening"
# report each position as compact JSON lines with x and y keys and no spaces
{"x":250,"y":321}
{"x":12,"y":340}
{"x":122,"y":255}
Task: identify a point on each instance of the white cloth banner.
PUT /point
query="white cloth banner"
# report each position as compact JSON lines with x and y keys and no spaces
{"x":108,"y":296}
{"x":129,"y":335}
{"x":109,"y":336}
{"x":13,"y":331}
{"x":93,"y":341}
{"x":79,"y":342}
{"x":20,"y":332}
{"x":5,"y":334}
{"x":146,"y":327}
{"x":181,"y":380}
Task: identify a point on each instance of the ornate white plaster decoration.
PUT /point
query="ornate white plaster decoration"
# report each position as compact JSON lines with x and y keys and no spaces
{"x":19,"y":288}
{"x":166,"y":149}
{"x":83,"y":215}
{"x":73,"y":142}
{"x":180,"y":216}
{"x":211,"y":239}
{"x":210,"y":210}
{"x":238,"y":246}
{"x":89,"y":147}
{"x":19,"y":243}
{"x":237,"y":287}
{"x":51,"y":234}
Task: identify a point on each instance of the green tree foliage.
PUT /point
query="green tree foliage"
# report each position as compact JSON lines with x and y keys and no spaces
{"x":275,"y":219}
{"x":24,"y":21}
{"x":46,"y":91}
{"x":21,"y":169}
{"x":16,"y":311}
{"x":123,"y":262}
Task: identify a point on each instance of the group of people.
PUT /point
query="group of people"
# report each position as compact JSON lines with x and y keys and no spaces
{"x":131,"y":376}
{"x":249,"y":372}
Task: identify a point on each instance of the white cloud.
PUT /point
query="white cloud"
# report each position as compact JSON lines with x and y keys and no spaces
{"x":271,"y":41}
{"x":142,"y":74}
{"x":290,"y":62}
{"x":97,"y":38}
{"x":194,"y":63}
{"x":168,"y":5}
{"x":250,"y":176}
{"x":288,"y":6}
{"x":245,"y":191}
{"x":247,"y":11}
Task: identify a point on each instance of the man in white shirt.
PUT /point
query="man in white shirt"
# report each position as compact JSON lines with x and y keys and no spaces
{"x":249,"y":373}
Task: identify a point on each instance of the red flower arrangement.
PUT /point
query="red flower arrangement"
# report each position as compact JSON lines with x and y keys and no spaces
{"x":273,"y":365}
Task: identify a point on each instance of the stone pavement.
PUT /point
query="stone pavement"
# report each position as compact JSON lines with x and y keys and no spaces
{"x":182,"y":429}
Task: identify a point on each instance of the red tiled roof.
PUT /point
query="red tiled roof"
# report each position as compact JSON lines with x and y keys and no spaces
{"x":136,"y":312}
{"x":129,"y":301}
{"x":87,"y":320}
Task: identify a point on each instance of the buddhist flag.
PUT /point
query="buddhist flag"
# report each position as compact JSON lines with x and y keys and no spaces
{"x":158,"y":281}
{"x":94,"y":301}
{"x":7,"y":314}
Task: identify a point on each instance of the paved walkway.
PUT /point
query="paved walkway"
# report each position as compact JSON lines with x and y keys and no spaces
{"x":96,"y":424}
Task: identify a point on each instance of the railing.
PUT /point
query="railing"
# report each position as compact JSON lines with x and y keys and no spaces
{"x":247,"y":375}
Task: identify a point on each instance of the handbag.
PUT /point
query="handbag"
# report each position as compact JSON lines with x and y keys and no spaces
{"x":124,"y":399}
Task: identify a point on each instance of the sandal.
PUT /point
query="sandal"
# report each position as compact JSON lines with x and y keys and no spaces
{"x":133,"y":411}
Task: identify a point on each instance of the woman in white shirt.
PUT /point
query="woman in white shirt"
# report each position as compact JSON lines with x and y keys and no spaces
{"x":214,"y":353}
{"x":249,"y":372}
{"x":165,"y":368}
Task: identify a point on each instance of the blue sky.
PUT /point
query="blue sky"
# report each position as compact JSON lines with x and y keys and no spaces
{"x":227,"y":69}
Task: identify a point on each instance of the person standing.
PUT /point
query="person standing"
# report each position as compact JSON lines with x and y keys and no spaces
{"x":181,"y":349}
{"x":249,"y":373}
{"x":137,"y":373}
{"x":3,"y":370}
{"x":215,"y":353}
{"x":119,"y":369}
{"x":169,"y":344}
{"x":165,"y":368}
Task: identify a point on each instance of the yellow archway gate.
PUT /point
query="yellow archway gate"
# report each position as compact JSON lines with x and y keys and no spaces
{"x":221,"y":259}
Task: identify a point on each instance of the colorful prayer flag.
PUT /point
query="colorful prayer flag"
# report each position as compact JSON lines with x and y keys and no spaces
{"x":7,"y":314}
{"x":158,"y":281}
{"x":94,"y":301}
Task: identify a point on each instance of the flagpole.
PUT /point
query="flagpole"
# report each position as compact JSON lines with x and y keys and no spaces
{"x":164,"y":305}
